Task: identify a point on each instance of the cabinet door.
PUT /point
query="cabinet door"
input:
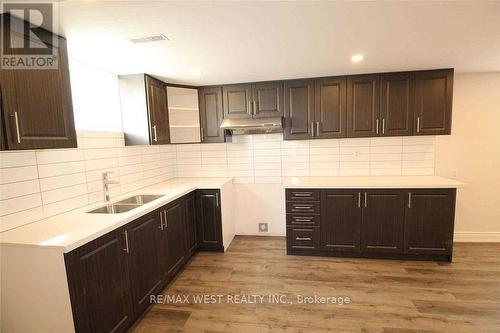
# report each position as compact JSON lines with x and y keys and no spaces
{"x":433,"y":102}
{"x":191,"y":239}
{"x":429,"y":218}
{"x":382,"y":224}
{"x":143,"y":264}
{"x":268,"y":99}
{"x":158,"y":111}
{"x":237,"y":101}
{"x":363,"y":106}
{"x":299,"y":109}
{"x":37,"y":110}
{"x":99,"y":285}
{"x":341,"y":220}
{"x":330,"y":113}
{"x":211,"y":114}
{"x":173,"y":242}
{"x":396,"y":104}
{"x":209,"y":219}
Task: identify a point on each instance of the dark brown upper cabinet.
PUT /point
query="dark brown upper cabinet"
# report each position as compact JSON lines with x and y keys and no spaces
{"x":341,"y":220}
{"x":253,"y":100}
{"x":433,"y":102}
{"x":429,"y":219}
{"x":36,"y":104}
{"x":144,"y":108}
{"x":330,"y":116}
{"x":268,"y":99}
{"x":363,"y":93}
{"x":299,"y":109}
{"x":211,"y":114}
{"x":156,"y":96}
{"x":396,"y":104}
{"x":382,"y":227}
{"x":237,"y":101}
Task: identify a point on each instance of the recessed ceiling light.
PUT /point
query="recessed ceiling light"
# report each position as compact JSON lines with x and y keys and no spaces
{"x":195,"y":71}
{"x":357,"y":58}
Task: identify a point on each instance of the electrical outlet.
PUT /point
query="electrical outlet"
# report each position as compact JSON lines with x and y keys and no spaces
{"x":263,"y":227}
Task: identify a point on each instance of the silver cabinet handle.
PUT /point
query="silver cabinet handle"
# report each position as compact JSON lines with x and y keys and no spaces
{"x":155,"y":137}
{"x":409,"y":199}
{"x":165,"y":219}
{"x":312,"y":128}
{"x":126,"y":249}
{"x":302,"y":207}
{"x":418,"y":124}
{"x":366,"y":200}
{"x":317,"y":128}
{"x":16,"y":120}
{"x":249,"y":111}
{"x":202,"y":133}
{"x":303,"y":238}
{"x":303,"y":219}
{"x":303,"y":194}
{"x":383,"y":125}
{"x":161,"y":221}
{"x":255,"y":111}
{"x":359,"y":199}
{"x":376,"y":125}
{"x":217,"y":198}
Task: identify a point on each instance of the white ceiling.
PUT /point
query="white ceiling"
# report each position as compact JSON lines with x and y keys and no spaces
{"x":251,"y":41}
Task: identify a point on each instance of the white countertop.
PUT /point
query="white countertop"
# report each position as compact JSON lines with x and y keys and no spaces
{"x":372,"y":182}
{"x":77,"y":227}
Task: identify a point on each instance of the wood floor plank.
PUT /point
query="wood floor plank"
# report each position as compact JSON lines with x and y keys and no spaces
{"x":387,"y":296}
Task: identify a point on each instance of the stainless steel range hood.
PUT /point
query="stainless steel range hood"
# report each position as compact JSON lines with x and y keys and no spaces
{"x":253,"y":126}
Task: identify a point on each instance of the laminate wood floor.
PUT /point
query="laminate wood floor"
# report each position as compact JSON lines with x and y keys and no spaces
{"x":386,"y":295}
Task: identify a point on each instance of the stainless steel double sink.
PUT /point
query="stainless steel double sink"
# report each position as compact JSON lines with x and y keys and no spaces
{"x":125,"y":205}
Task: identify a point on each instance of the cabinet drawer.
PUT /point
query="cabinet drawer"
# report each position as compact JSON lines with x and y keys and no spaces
{"x":302,"y":207}
{"x":302,"y":238}
{"x":302,"y":219}
{"x":302,"y":195}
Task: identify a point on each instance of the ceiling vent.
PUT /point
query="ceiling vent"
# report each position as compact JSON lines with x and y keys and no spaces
{"x":148,"y":39}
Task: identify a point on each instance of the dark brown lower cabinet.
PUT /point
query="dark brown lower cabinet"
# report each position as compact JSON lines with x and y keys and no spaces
{"x":429,"y":220}
{"x":112,"y":277}
{"x":382,"y":226}
{"x":172,"y":244}
{"x":209,"y":220}
{"x":143,"y":256}
{"x":190,"y":224}
{"x":98,"y":279}
{"x":373,"y":223}
{"x":340,"y":220}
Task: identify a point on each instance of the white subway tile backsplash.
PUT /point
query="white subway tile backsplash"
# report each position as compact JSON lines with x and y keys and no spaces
{"x":37,"y":184}
{"x":18,"y":174}
{"x":59,"y":156}
{"x":13,"y":190}
{"x":58,"y":169}
{"x":15,"y":159}
{"x":51,"y":183}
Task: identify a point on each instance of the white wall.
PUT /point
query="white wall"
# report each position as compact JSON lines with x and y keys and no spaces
{"x":472,"y":154}
{"x":96,"y":99}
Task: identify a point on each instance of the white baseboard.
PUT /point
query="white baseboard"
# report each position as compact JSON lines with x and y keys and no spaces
{"x":479,"y":237}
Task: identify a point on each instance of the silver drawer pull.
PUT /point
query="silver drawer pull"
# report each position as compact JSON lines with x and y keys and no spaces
{"x":303,"y":238}
{"x":302,"y":207}
{"x":302,"y":194}
{"x":303,"y":219}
